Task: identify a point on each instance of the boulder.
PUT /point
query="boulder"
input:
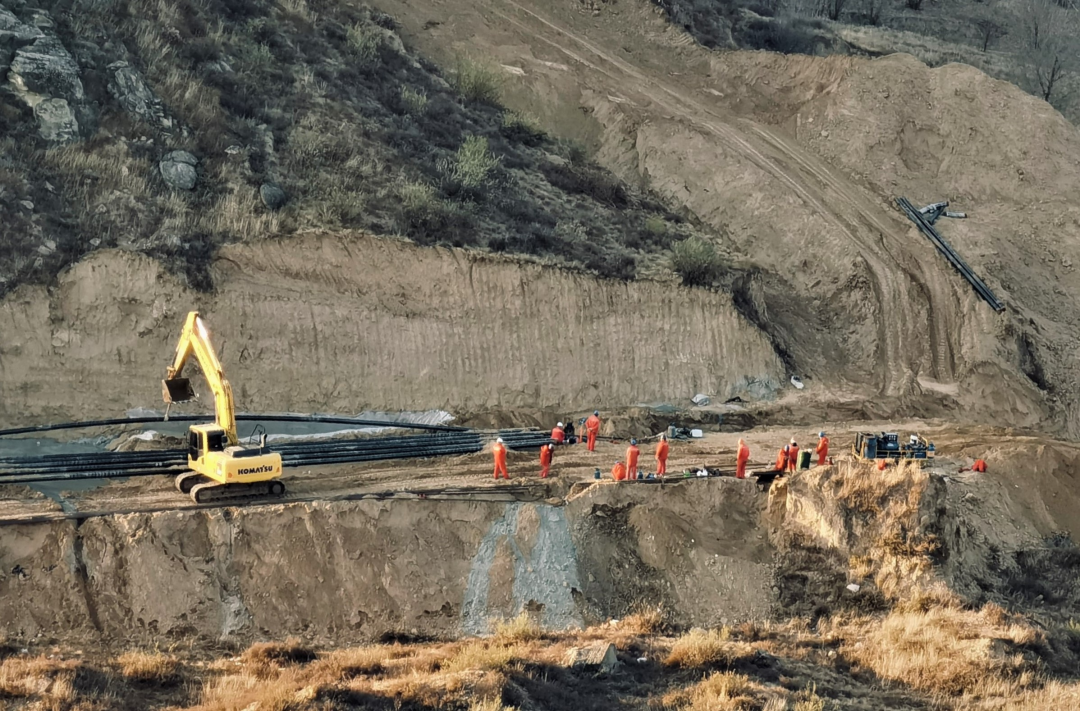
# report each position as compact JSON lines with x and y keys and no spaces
{"x":13,"y":35}
{"x":46,"y":69}
{"x":129,"y":89}
{"x":178,"y":170}
{"x":598,"y":658}
{"x":56,"y":120}
{"x":273,"y":196}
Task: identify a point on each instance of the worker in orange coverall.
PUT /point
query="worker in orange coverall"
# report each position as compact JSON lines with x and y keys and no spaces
{"x":822,"y":449}
{"x":632,"y":454}
{"x":662,"y":449}
{"x":592,"y":427}
{"x":499,"y":450}
{"x":618,"y":472}
{"x":558,"y":435}
{"x":792,"y":456}
{"x":781,"y":459}
{"x":546,"y":453}
{"x":741,"y":458}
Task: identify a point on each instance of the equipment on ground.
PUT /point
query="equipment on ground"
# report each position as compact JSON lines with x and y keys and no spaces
{"x":220,"y":468}
{"x":804,"y":459}
{"x":887,"y":445}
{"x":924,"y":219}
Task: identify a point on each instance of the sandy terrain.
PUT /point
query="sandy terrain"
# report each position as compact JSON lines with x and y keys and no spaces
{"x":796,"y":160}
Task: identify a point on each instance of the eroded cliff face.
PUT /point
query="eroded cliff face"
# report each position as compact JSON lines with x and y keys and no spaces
{"x":341,"y":324}
{"x":709,"y":551}
{"x":357,"y":570}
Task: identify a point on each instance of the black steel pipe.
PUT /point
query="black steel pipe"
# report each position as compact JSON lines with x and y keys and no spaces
{"x":322,"y":419}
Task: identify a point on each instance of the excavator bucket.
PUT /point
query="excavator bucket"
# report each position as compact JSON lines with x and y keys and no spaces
{"x":177,"y":390}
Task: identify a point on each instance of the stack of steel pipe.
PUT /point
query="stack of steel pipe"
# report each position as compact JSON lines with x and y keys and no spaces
{"x":99,"y":465}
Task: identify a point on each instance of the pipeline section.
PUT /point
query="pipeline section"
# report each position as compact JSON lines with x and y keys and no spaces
{"x":105,"y":465}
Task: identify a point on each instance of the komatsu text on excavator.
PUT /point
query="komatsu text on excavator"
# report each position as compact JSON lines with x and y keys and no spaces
{"x":221,"y":470}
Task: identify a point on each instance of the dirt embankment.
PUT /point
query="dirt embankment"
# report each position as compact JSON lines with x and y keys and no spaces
{"x":343,"y":324}
{"x":709,"y":551}
{"x":348,"y":571}
{"x":797,"y":160}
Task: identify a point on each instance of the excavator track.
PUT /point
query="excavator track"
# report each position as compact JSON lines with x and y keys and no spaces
{"x":211,"y":492}
{"x":189,"y":480}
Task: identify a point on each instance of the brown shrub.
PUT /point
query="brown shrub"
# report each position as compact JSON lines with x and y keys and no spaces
{"x":291,"y":651}
{"x":699,"y":648}
{"x":151,"y":667}
{"x":522,"y":628}
{"x":721,"y":691}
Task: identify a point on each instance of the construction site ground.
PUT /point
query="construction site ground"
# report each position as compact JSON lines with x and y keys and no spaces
{"x":573,"y":464}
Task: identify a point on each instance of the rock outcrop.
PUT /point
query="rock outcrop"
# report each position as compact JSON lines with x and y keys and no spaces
{"x":129,"y":89}
{"x":46,"y":77}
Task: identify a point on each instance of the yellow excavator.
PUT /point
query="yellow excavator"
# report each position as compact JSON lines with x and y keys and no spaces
{"x":221,"y":469}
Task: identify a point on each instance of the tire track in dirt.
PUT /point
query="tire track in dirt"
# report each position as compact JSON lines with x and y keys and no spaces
{"x":832,"y":198}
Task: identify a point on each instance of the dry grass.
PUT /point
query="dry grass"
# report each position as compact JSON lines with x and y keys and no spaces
{"x":646,"y":621}
{"x":522,"y":628}
{"x":291,"y":651}
{"x":721,"y":691}
{"x":700,"y":648}
{"x":148,"y":667}
{"x":944,"y":650}
{"x":481,"y":655}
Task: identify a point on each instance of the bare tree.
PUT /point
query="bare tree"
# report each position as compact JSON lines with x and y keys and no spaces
{"x":1049,"y":47}
{"x":1037,"y":20}
{"x":989,"y":31}
{"x":873,"y":11}
{"x":832,"y":9}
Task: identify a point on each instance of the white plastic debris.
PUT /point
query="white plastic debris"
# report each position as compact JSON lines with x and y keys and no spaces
{"x":853,"y":588}
{"x":700,"y":399}
{"x":797,"y":382}
{"x":697,"y":434}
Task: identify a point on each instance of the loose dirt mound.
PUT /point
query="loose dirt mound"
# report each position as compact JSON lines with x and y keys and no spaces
{"x":343,"y":324}
{"x":848,"y":291}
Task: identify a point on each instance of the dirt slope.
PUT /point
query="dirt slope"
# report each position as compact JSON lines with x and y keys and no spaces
{"x":366,"y":568}
{"x":341,"y":324}
{"x":711,"y":551}
{"x":794,"y":158}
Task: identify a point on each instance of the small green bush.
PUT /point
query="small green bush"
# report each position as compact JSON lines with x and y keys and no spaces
{"x":471,"y":168}
{"x":656,"y":225}
{"x":429,"y":219}
{"x":696,"y":262}
{"x":365,"y":41}
{"x":522,"y":127}
{"x":415,"y":101}
{"x":476,"y":82}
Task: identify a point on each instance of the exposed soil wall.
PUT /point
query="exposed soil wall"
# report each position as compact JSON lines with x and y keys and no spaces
{"x":709,"y":551}
{"x":342,"y":324}
{"x":357,"y":570}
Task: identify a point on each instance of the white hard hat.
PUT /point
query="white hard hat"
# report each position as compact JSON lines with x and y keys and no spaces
{"x":560,"y":424}
{"x":793,"y":440}
{"x":499,"y":440}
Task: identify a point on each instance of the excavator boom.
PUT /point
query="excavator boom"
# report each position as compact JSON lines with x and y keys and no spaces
{"x":195,"y":340}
